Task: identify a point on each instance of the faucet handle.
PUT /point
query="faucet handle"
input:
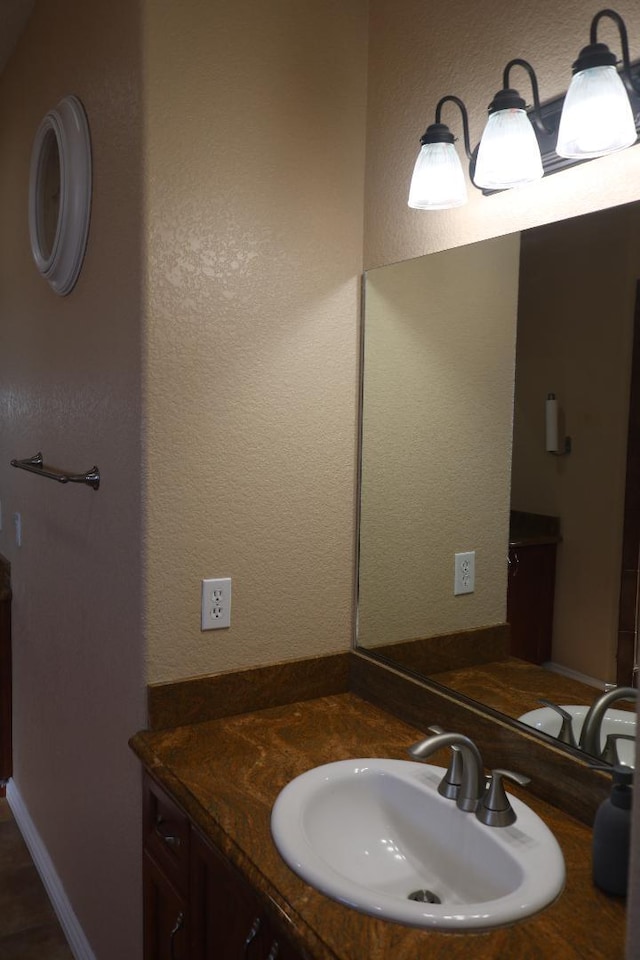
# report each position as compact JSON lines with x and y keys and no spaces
{"x":449,"y":786}
{"x":566,"y":734}
{"x":610,"y":752}
{"x":495,"y":809}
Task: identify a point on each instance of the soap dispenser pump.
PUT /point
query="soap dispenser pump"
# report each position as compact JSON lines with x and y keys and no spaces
{"x":612,"y":835}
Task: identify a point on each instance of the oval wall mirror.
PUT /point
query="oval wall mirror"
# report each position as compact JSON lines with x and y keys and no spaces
{"x":60,"y":194}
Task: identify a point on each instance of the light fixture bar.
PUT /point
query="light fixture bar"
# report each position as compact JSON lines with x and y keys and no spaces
{"x":546,"y":121}
{"x":597,"y":116}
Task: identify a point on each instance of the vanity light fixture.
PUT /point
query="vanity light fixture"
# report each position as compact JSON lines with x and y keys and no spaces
{"x":438,"y":180}
{"x":599,"y":114}
{"x":597,"y":118}
{"x":508,"y":154}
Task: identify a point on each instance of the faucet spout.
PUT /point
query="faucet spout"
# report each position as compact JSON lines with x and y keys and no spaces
{"x":590,"y":734}
{"x":473,"y":782}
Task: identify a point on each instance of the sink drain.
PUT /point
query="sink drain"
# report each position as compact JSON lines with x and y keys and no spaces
{"x":424,"y":896}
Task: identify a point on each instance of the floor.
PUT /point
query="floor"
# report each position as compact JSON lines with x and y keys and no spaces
{"x":28,"y":926}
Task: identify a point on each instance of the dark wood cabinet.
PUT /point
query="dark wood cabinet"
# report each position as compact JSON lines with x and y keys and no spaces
{"x":166,"y":836}
{"x":229,"y":920}
{"x":197,"y":905}
{"x":530,"y":598}
{"x":166,"y":931}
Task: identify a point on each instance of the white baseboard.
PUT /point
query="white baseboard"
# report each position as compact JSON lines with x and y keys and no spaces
{"x":78,"y":943}
{"x":573,"y":675}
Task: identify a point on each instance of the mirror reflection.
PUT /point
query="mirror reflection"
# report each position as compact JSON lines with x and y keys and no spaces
{"x":49,"y":193}
{"x":499,"y":528}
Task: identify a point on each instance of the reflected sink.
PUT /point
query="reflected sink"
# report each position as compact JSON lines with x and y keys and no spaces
{"x":615,"y":721}
{"x":371,"y":833}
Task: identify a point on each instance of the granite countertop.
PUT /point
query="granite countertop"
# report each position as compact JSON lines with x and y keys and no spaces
{"x":227,"y":773}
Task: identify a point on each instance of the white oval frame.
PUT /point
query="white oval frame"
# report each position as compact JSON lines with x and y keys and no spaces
{"x":61,"y":265}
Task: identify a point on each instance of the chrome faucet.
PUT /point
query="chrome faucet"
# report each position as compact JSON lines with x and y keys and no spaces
{"x":590,"y":735}
{"x":472,"y":784}
{"x":465,"y":780}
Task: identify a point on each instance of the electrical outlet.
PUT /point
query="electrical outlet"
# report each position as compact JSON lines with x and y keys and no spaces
{"x":216,"y":604}
{"x":465,"y":572}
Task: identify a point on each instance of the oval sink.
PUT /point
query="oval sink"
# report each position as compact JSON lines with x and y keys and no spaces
{"x":373,"y":833}
{"x":615,"y":721}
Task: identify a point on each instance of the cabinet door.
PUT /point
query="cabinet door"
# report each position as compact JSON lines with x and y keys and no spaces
{"x":166,"y":834}
{"x":228,"y":921}
{"x":165,"y":916}
{"x":530,"y":595}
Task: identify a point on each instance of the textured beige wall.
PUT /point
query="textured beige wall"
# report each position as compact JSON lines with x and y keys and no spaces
{"x":575,"y":334}
{"x":69,"y":385}
{"x":439,"y":356}
{"x":255,"y":154}
{"x":421,"y":50}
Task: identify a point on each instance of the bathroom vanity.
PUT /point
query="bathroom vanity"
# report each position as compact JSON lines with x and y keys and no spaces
{"x":216,"y":887}
{"x":196,"y":903}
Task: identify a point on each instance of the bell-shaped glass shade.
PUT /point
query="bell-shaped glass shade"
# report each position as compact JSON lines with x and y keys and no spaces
{"x":438,"y":180}
{"x":596,"y":117}
{"x":508,"y":155}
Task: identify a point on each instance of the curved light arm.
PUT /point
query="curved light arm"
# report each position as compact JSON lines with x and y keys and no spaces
{"x":465,"y":119}
{"x":537,"y":115}
{"x":624,"y":43}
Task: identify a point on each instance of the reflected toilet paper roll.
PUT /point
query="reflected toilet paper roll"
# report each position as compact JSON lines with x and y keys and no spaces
{"x":551,"y":423}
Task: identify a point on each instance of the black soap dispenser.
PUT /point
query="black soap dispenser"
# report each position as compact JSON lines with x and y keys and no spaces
{"x":612,"y":835}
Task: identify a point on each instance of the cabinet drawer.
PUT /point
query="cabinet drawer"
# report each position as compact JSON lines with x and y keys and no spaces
{"x":166,"y":834}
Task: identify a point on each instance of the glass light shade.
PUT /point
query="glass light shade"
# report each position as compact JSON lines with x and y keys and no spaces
{"x":508,"y":155}
{"x":596,"y":117}
{"x":438,"y":180}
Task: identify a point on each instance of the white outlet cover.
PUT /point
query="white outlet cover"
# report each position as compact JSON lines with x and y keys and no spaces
{"x":17,"y":522}
{"x":216,"y":604}
{"x":464,"y":580}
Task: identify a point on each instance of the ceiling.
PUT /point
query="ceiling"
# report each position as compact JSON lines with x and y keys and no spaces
{"x":13,"y":17}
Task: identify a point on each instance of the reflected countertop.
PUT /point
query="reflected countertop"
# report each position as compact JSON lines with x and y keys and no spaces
{"x":533,"y":529}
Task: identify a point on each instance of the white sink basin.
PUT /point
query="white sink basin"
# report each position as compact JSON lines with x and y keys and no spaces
{"x":369,"y":833}
{"x":615,"y":721}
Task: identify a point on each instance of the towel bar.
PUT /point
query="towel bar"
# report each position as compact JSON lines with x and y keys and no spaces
{"x":35,"y":465}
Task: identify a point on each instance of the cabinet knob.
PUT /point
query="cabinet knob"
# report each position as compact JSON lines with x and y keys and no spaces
{"x":251,"y":936}
{"x":178,"y":925}
{"x":169,"y":838}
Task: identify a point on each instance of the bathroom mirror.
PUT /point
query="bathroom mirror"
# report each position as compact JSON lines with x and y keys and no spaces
{"x":461,"y":350}
{"x":60,"y":194}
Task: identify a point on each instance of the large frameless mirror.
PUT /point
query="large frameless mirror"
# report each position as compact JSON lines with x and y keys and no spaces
{"x":462,"y":350}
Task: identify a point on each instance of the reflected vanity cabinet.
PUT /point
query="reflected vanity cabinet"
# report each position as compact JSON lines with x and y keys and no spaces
{"x":530,"y":599}
{"x":533,"y":543}
{"x":197,"y":905}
